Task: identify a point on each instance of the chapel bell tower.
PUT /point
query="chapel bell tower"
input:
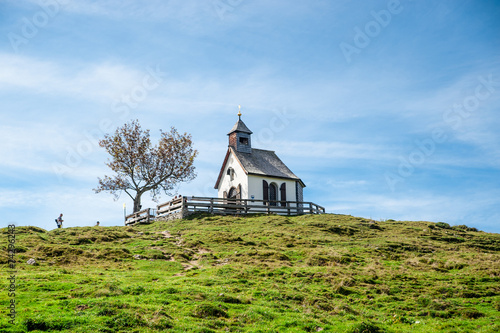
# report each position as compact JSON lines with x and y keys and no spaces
{"x":240,"y":137}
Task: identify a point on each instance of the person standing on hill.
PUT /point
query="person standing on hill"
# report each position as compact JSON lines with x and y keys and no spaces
{"x":59,"y":221}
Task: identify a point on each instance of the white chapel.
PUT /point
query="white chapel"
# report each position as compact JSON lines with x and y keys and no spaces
{"x":256,"y":174}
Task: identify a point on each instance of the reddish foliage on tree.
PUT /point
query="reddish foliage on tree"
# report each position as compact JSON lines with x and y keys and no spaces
{"x":140,"y":167}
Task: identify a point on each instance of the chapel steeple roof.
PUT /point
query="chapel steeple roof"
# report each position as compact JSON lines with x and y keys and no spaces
{"x":240,"y":137}
{"x":240,"y":125}
{"x":255,"y":162}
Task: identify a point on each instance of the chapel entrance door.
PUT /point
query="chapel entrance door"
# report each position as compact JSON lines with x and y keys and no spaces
{"x":232,"y":193}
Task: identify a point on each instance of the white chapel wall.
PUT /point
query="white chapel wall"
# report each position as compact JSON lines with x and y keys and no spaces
{"x":255,"y":187}
{"x":240,"y":177}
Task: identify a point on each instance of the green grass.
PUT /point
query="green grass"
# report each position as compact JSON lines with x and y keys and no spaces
{"x":323,"y":273}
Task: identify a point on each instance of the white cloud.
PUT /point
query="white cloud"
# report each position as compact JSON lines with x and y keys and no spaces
{"x":461,"y":208}
{"x":331,"y":150}
{"x":350,"y":184}
{"x":189,"y":15}
{"x":267,"y":56}
{"x":33,"y":148}
{"x":156,"y":9}
{"x":101,"y":81}
{"x":29,"y":146}
{"x":80,"y":207}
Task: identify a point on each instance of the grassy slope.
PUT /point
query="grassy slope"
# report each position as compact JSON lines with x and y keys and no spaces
{"x":330,"y":273}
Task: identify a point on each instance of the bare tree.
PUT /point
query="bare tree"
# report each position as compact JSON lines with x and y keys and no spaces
{"x":140,"y":167}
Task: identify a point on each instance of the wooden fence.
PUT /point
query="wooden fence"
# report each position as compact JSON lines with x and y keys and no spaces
{"x":173,"y":206}
{"x":238,"y":206}
{"x":183,"y":206}
{"x":144,"y":216}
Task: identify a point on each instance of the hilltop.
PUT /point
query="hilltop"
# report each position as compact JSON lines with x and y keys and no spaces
{"x":311,"y":273}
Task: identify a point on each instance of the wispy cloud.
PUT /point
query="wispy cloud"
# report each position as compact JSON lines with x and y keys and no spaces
{"x":340,"y":127}
{"x":45,"y":206}
{"x":332,"y":151}
{"x":421,"y":205}
{"x":101,"y":81}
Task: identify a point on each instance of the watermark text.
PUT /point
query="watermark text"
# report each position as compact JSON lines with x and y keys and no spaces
{"x":11,"y":251}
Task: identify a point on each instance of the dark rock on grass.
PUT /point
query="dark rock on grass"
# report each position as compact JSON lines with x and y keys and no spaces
{"x":366,"y":327}
{"x":472,"y":314}
{"x":210,"y":310}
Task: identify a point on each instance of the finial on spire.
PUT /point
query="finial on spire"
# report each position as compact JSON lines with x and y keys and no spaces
{"x":239,"y":111}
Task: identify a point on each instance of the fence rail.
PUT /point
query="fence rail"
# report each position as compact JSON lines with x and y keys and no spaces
{"x":173,"y":206}
{"x":183,"y":206}
{"x":238,"y":206}
{"x":144,"y":216}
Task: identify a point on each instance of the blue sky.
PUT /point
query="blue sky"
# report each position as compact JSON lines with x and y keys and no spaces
{"x":385,"y":109}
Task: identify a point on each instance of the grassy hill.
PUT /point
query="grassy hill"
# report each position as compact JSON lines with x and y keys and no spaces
{"x":323,"y":273}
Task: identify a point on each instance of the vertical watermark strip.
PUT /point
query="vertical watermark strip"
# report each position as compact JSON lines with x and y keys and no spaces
{"x":11,"y":251}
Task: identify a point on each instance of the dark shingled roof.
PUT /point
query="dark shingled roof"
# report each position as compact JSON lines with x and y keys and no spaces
{"x":264,"y":163}
{"x":240,"y":127}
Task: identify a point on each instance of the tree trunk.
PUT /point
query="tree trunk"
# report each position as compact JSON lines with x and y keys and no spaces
{"x":137,"y":202}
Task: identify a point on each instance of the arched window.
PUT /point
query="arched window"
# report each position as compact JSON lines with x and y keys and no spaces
{"x":283,"y":194}
{"x":270,"y":193}
{"x":273,"y":194}
{"x":230,"y":173}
